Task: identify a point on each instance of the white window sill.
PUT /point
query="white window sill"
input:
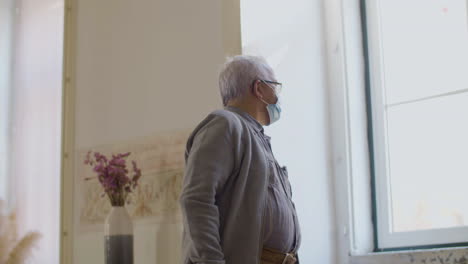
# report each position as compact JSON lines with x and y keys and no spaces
{"x":423,"y":256}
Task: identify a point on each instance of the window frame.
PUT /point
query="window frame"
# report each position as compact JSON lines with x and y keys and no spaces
{"x":349,"y":132}
{"x":384,"y":240}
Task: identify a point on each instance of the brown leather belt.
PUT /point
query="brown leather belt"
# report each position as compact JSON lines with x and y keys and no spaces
{"x":273,"y":256}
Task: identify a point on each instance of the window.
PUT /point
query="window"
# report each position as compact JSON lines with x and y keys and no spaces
{"x":418,"y":87}
{"x":31,"y":39}
{"x":6,"y":15}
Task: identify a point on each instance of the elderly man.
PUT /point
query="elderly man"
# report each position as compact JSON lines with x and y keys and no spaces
{"x":236,"y":199}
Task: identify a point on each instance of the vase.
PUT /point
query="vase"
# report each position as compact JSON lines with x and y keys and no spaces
{"x":118,"y":237}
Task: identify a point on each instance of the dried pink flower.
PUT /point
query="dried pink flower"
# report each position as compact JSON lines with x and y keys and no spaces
{"x":114,"y":175}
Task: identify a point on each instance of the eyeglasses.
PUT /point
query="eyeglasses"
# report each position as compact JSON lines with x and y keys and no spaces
{"x":277,"y":87}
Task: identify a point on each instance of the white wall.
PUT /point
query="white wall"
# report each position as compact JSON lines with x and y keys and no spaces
{"x":289,"y":34}
{"x":143,"y":67}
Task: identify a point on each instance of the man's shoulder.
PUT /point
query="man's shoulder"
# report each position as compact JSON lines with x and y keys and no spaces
{"x":220,"y":120}
{"x":225,"y":116}
{"x":223,"y":120}
{"x":218,"y":123}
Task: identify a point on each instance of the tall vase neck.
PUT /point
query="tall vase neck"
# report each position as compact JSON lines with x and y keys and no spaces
{"x":118,"y":222}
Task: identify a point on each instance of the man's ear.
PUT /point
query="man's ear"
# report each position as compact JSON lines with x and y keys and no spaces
{"x":256,"y":89}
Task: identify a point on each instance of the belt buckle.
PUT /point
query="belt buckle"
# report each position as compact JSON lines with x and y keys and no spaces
{"x":289,"y":259}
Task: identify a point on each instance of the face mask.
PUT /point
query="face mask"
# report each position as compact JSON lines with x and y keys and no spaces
{"x":274,"y":111}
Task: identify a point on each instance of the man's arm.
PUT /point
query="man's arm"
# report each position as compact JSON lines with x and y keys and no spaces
{"x":209,"y":163}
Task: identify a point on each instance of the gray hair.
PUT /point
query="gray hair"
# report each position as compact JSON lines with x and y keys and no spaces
{"x":238,"y":74}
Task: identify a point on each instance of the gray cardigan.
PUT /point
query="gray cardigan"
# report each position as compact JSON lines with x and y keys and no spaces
{"x":224,"y":189}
